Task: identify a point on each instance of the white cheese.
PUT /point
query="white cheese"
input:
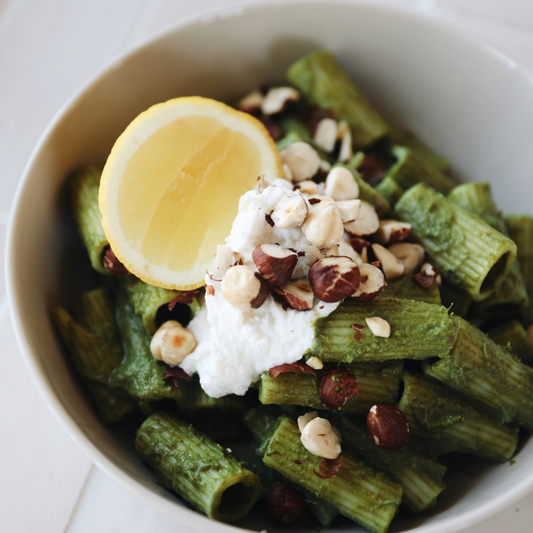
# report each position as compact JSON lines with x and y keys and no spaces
{"x":235,"y":347}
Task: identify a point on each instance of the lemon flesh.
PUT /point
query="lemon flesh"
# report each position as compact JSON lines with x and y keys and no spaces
{"x":170,"y":191}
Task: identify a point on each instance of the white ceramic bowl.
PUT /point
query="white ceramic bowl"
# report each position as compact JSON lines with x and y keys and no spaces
{"x":465,"y":99}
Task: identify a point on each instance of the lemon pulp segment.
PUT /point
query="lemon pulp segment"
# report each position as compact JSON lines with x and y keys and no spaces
{"x":202,"y":168}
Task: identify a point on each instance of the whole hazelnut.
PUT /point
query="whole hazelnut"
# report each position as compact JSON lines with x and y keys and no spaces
{"x":334,"y":278}
{"x":243,"y":288}
{"x":274,"y":263}
{"x":284,"y":504}
{"x":172,"y":343}
{"x":387,"y":426}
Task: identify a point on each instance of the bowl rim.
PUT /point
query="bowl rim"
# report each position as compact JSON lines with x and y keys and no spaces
{"x":184,"y":515}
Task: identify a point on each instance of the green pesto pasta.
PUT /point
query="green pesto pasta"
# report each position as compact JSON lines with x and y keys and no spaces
{"x":139,"y":373}
{"x":367,"y":497}
{"x":323,"y":81}
{"x":420,"y":477}
{"x":466,"y":250}
{"x":95,"y":350}
{"x":513,"y":336}
{"x":476,"y":198}
{"x":376,"y":383}
{"x":487,"y":373}
{"x":84,"y":184}
{"x":418,"y":331}
{"x":198,"y":469}
{"x":411,"y":169}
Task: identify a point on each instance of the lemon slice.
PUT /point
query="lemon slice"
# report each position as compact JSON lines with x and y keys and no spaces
{"x":170,"y":187}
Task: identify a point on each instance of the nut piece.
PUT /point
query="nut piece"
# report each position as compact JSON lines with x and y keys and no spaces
{"x":305,"y":419}
{"x":346,"y":151}
{"x":349,"y":210}
{"x":411,"y":255}
{"x":225,"y":258}
{"x":290,"y":212}
{"x":302,"y":160}
{"x":279,"y":99}
{"x":334,"y":278}
{"x":284,"y":505}
{"x":338,"y":386}
{"x":306,"y":187}
{"x":321,"y":439}
{"x":391,"y":231}
{"x":298,"y":293}
{"x":378,"y":326}
{"x":344,"y":249}
{"x":341,"y":185}
{"x":112,"y":264}
{"x":427,"y":276}
{"x":243,"y":288}
{"x":366,"y":223}
{"x":387,"y":426}
{"x":172,"y":343}
{"x":325,"y":135}
{"x":323,"y":225}
{"x":392,"y":266}
{"x":371,"y":283}
{"x":287,"y":172}
{"x":315,"y":363}
{"x":252,"y":102}
{"x":274,"y":263}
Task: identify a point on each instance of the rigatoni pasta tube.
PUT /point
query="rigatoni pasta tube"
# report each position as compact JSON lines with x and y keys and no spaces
{"x":418,"y":331}
{"x":467,"y":251}
{"x":476,"y":198}
{"x":486,"y":372}
{"x":420,"y":477}
{"x":84,"y":185}
{"x":323,"y":81}
{"x":198,"y":469}
{"x":411,"y":169}
{"x":376,"y":383}
{"x":438,"y":414}
{"x":513,"y":336}
{"x":368,"y":498}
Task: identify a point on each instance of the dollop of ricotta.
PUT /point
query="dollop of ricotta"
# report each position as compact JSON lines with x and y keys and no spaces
{"x":235,"y":347}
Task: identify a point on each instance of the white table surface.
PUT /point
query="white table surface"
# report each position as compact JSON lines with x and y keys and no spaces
{"x":48,"y":48}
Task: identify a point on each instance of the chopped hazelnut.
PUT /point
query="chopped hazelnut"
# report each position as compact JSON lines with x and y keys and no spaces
{"x":315,"y":363}
{"x":321,"y":439}
{"x":341,"y":185}
{"x":349,"y":210}
{"x":371,"y":284}
{"x":334,"y":278}
{"x":346,"y":151}
{"x":305,"y":419}
{"x":274,"y":263}
{"x":392,"y":266}
{"x":279,"y":99}
{"x":325,"y":134}
{"x":411,"y":255}
{"x":366,"y":223}
{"x":307,"y":187}
{"x":391,"y":231}
{"x":290,"y":212}
{"x":225,"y":258}
{"x":302,"y":160}
{"x":378,"y":326}
{"x":287,"y":172}
{"x":252,"y":102}
{"x":323,"y":225}
{"x":298,"y":294}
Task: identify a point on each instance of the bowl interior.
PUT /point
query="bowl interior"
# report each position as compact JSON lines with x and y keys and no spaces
{"x":465,"y":100}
